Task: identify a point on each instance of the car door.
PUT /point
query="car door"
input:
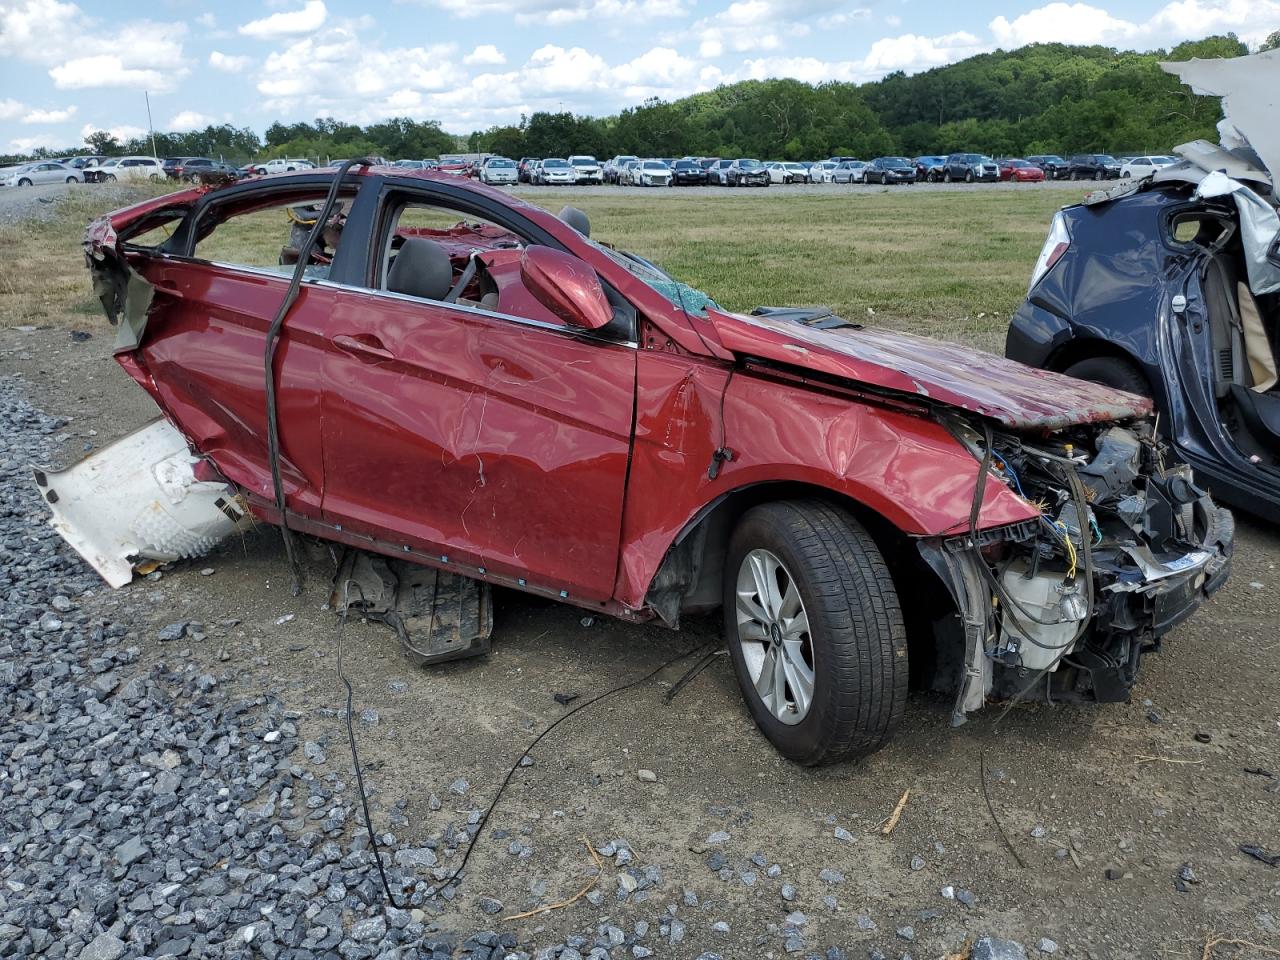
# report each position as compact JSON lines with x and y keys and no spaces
{"x":206,"y":335}
{"x":495,"y":437}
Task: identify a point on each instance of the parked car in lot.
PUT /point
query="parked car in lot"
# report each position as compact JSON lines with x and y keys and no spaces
{"x":586,"y":169}
{"x":287,"y":165}
{"x":1169,"y":287}
{"x":802,"y":473}
{"x":200,"y":170}
{"x":778,"y":172}
{"x":746,"y":173}
{"x":886,"y":170}
{"x":849,"y":171}
{"x":823,"y":172}
{"x":524,"y":169}
{"x":80,"y":162}
{"x":406,"y":164}
{"x":688,"y":173}
{"x":929,"y":168}
{"x":126,"y":168}
{"x":1144,"y":166}
{"x":45,"y":171}
{"x":499,"y":171}
{"x":650,"y":173}
{"x":613,"y":168}
{"x":1020,"y":171}
{"x":799,"y":171}
{"x":970,"y":167}
{"x":717,"y":173}
{"x":1093,"y":166}
{"x":554,"y":171}
{"x":1054,"y":167}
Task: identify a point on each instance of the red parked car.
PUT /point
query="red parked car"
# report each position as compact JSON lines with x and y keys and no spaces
{"x":1020,"y":171}
{"x":473,"y":384}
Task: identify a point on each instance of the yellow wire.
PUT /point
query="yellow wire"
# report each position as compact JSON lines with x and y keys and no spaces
{"x":1068,"y":546}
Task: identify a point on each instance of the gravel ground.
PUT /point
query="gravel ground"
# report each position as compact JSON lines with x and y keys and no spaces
{"x":178,"y":783}
{"x":18,"y":204}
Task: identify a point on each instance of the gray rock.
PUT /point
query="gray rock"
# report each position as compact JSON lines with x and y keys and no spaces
{"x":131,"y":851}
{"x":917,"y":862}
{"x":1045,"y":945}
{"x":490,"y":906}
{"x":103,"y":947}
{"x":371,"y":930}
{"x":996,"y":948}
{"x":788,"y":892}
{"x":828,"y":875}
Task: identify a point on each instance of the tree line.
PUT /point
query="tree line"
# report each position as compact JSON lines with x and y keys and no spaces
{"x":1042,"y":98}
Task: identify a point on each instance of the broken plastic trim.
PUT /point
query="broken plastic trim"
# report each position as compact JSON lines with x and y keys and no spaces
{"x":139,"y":498}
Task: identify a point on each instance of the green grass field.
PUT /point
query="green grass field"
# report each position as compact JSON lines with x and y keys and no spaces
{"x":946,"y":264}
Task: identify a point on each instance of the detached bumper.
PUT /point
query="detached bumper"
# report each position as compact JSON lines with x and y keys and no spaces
{"x":139,"y":498}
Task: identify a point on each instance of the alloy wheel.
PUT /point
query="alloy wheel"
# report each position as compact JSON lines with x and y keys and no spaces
{"x":773,"y":630}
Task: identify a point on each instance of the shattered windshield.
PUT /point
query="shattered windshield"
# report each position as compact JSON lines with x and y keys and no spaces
{"x":688,"y":298}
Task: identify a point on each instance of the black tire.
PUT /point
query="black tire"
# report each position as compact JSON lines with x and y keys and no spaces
{"x":1075,"y":175}
{"x":24,"y":182}
{"x":857,"y":640}
{"x":1097,"y":175}
{"x":71,"y":179}
{"x":968,"y":177}
{"x":111,"y":178}
{"x":930,"y":177}
{"x":1111,"y":372}
{"x":946,"y":176}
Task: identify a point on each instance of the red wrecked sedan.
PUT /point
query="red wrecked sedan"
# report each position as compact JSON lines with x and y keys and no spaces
{"x":461,"y":381}
{"x":1020,"y":171}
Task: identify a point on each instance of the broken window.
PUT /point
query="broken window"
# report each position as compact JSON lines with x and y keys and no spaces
{"x":266,"y":233}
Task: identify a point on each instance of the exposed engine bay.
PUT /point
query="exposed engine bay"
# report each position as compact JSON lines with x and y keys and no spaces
{"x":1062,"y":608}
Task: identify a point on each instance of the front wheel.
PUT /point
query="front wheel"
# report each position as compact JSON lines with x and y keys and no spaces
{"x":111,"y":178}
{"x":1111,"y":372}
{"x":24,"y":182}
{"x":1097,"y":175}
{"x":968,"y":177}
{"x":815,"y":631}
{"x":71,"y":179}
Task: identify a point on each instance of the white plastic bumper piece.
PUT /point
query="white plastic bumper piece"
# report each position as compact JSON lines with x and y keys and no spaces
{"x":139,"y":499}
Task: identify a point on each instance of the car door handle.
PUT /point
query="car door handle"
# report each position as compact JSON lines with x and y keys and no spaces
{"x":364,"y":346}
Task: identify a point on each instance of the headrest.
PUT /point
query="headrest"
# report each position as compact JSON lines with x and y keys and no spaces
{"x":576,"y":219}
{"x":421,"y":269}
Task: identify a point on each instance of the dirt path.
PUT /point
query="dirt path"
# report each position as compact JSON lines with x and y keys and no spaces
{"x":1066,"y":782}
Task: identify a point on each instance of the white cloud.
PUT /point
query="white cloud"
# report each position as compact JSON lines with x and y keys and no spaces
{"x":909,"y":53}
{"x":107,"y":70}
{"x":11,"y":109}
{"x":307,"y":67}
{"x":1173,"y":23}
{"x":1062,"y":23}
{"x":84,"y":51}
{"x":660,"y":71}
{"x":307,"y":20}
{"x":486,"y":54}
{"x":27,"y":144}
{"x":188,"y":120}
{"x":207,"y":20}
{"x":123,"y":132}
{"x":229,"y":63}
{"x":761,"y":25}
{"x":49,"y":116}
{"x":555,"y":70}
{"x":557,"y":13}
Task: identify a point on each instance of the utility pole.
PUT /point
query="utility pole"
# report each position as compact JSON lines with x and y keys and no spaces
{"x":154,"y":155}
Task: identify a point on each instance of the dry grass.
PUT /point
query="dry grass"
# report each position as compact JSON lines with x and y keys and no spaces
{"x":951,"y":265}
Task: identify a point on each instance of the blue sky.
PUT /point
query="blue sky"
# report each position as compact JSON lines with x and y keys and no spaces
{"x":68,"y":68}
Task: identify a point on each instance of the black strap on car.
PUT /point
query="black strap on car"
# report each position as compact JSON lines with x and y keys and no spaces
{"x":268,"y":357}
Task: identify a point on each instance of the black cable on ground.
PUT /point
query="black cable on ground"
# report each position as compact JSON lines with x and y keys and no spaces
{"x":457,"y":874}
{"x":471,"y":845}
{"x":355,"y":756}
{"x":268,"y":358}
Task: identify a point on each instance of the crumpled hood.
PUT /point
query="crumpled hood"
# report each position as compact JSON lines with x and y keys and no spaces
{"x":1015,"y":395}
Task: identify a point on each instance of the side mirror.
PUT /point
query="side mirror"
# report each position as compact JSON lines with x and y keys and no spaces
{"x":566,"y":286}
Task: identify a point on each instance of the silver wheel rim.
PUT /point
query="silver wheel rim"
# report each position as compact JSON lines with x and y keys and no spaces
{"x":773,"y":632}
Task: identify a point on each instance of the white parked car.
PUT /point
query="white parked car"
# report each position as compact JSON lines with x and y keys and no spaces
{"x":127,"y":168}
{"x":586,"y":169}
{"x":823,"y":172}
{"x":555,"y":170}
{"x":1145,"y":166}
{"x":778,"y":172}
{"x":45,"y":171}
{"x":651,"y":173}
{"x":286,"y":165}
{"x":799,"y":172}
{"x":499,"y":171}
